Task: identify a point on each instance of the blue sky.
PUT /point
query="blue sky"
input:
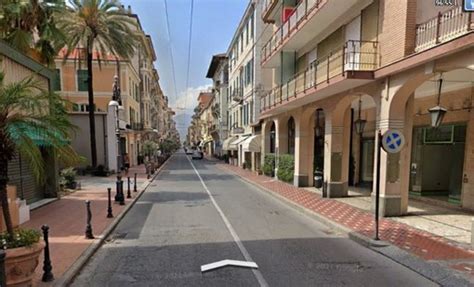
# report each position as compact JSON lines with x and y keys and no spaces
{"x":214,"y":23}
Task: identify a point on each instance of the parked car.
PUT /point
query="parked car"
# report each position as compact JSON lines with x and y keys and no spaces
{"x":189,"y":150}
{"x":197,"y":154}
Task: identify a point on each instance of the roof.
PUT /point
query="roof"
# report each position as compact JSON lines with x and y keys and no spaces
{"x":249,"y":9}
{"x":216,"y":59}
{"x":77,"y":52}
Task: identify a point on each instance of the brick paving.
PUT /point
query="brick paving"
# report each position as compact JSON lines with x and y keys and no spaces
{"x":67,"y":220}
{"x":420,"y":243}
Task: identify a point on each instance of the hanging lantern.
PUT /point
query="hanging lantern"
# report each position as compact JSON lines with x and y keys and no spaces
{"x":437,"y":113}
{"x":360,"y":123}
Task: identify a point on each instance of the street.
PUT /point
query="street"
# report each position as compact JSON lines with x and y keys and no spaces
{"x":194,"y":214}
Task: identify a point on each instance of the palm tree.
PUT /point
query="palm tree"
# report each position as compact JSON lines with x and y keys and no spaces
{"x":30,"y":27}
{"x":30,"y":119}
{"x":101,"y":28}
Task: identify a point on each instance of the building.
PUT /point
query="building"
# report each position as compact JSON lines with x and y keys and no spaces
{"x":219,"y":73}
{"x":247,"y":82}
{"x":143,"y":114}
{"x":22,"y":183}
{"x":343,"y":73}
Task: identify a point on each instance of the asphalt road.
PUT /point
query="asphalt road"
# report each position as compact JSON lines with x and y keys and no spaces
{"x":194,"y":216}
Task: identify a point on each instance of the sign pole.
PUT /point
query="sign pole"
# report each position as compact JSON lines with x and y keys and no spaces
{"x":377,"y":185}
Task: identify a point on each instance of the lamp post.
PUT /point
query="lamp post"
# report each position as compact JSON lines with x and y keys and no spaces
{"x":359,"y":127}
{"x":115,"y":103}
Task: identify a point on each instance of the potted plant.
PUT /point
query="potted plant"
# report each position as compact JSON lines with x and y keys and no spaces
{"x":42,"y":124}
{"x":69,"y":176}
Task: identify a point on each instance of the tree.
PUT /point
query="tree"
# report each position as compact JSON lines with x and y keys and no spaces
{"x":31,"y":119}
{"x":30,"y":27}
{"x":102,"y":28}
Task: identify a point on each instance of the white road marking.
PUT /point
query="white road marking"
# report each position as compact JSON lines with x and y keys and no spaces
{"x":236,"y":238}
{"x":226,"y":262}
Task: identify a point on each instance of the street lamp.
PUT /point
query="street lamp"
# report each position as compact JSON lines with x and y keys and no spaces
{"x":437,"y":113}
{"x":318,"y":129}
{"x":115,"y":103}
{"x":360,"y":123}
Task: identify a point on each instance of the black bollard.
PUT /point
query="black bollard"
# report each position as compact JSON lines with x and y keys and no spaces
{"x":47,"y":267}
{"x":117,"y":188}
{"x":129,"y":195}
{"x":3,"y":276}
{"x":89,"y":234}
{"x":135,"y":183}
{"x":109,"y":208}
{"x":122,"y":195}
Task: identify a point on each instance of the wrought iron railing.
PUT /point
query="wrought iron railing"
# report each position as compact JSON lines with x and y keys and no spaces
{"x":299,"y":14}
{"x":442,"y":28}
{"x":353,"y":56}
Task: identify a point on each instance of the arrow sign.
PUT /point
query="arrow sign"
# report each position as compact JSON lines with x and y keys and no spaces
{"x":228,"y":262}
{"x":393,"y":141}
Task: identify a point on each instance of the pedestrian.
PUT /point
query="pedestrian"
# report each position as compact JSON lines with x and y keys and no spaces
{"x":126,"y":162}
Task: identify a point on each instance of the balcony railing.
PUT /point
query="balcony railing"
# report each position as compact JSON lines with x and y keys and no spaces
{"x":353,"y":56}
{"x":286,"y":29}
{"x":267,"y":6}
{"x":136,"y":126}
{"x":442,"y":28}
{"x":238,"y":95}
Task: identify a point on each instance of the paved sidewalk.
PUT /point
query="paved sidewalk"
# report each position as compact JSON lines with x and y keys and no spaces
{"x":67,"y":220}
{"x":420,"y":243}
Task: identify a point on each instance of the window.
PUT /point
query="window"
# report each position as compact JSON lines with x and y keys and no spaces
{"x":291,"y":136}
{"x":82,"y":80}
{"x":242,"y":42}
{"x":251,"y":111}
{"x":247,"y":32}
{"x":56,"y":83}
{"x":249,"y":73}
{"x":251,"y":26}
{"x":81,"y":108}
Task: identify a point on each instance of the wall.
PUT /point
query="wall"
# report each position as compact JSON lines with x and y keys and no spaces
{"x":81,"y":138}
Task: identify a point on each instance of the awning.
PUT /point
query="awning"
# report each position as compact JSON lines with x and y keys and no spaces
{"x":252,"y":143}
{"x":226,"y":143}
{"x":235,"y":144}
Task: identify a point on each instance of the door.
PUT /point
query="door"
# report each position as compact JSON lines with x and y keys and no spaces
{"x":367,"y":164}
{"x":352,"y":36}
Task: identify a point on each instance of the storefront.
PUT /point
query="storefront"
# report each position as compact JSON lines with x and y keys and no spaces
{"x":437,"y":162}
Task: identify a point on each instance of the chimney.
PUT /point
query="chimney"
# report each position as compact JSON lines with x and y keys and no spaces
{"x":129,"y":9}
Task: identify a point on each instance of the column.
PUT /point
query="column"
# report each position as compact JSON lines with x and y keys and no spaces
{"x":304,"y":143}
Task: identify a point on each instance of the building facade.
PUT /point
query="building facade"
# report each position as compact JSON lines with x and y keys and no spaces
{"x":247,"y":82}
{"x":342,"y":74}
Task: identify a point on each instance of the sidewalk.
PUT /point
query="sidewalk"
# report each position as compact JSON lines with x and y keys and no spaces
{"x":66,"y":219}
{"x":423,"y":244}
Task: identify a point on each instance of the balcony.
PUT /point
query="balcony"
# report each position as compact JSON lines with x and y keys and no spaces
{"x":347,"y":67}
{"x":136,"y":126}
{"x":442,"y":28}
{"x":268,"y":10}
{"x":238,"y":95}
{"x":309,"y":18}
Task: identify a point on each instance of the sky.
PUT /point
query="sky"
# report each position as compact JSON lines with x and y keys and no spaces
{"x":214,"y":24}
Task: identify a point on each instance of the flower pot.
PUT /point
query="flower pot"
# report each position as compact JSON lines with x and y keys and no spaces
{"x":20,"y":264}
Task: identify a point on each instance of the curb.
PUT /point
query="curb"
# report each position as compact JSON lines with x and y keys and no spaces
{"x":67,"y":278}
{"x":430,"y":270}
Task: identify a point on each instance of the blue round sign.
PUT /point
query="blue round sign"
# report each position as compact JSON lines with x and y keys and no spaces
{"x":393,"y":141}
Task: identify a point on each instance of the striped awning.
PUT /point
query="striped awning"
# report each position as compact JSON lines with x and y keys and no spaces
{"x":226,"y":143}
{"x":252,"y":143}
{"x":235,"y":144}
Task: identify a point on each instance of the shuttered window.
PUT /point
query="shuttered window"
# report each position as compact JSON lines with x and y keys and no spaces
{"x":82,"y":80}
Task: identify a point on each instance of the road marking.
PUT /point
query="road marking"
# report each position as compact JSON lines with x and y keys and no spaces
{"x":236,"y":238}
{"x":227,"y":262}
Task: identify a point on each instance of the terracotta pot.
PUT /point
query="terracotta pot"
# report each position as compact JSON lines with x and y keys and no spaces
{"x":20,"y":264}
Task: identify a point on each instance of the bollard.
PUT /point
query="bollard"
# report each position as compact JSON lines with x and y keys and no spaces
{"x":47,"y":267}
{"x":109,"y":208}
{"x":135,"y":183}
{"x":129,"y":195}
{"x":122,"y":195}
{"x":117,"y":188}
{"x":89,"y":234}
{"x":3,"y":276}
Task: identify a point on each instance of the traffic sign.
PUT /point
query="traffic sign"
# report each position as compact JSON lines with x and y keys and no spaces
{"x":393,"y":141}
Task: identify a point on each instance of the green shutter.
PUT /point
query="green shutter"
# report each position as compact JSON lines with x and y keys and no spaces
{"x":82,"y":80}
{"x":56,"y":81}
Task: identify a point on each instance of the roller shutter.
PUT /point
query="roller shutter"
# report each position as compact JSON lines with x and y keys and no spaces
{"x":21,"y":175}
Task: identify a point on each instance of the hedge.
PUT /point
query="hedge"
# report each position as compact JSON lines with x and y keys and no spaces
{"x":269,"y":164}
{"x":286,"y":167}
